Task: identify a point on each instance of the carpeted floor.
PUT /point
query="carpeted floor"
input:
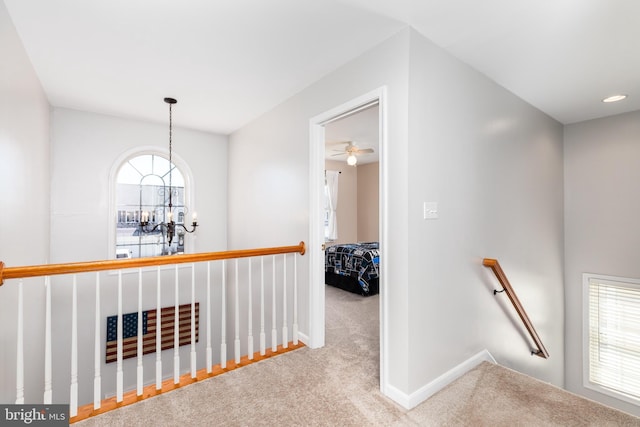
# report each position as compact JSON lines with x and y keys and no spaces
{"x":338,"y":385}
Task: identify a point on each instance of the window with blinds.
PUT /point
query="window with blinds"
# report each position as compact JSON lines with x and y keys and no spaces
{"x":612,"y":341}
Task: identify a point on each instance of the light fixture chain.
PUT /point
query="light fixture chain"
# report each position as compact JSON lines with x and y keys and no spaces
{"x":170,"y":156}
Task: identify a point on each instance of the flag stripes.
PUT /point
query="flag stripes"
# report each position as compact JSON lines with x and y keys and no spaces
{"x":130,"y":339}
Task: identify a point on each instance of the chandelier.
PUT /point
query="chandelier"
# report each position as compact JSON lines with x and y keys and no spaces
{"x":169,"y":228}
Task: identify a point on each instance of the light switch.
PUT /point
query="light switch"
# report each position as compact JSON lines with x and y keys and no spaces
{"x":430,"y":210}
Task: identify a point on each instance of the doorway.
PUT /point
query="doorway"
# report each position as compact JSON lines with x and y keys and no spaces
{"x":316,"y":218}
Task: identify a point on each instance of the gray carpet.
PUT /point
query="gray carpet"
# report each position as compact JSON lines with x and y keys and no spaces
{"x":338,"y":385}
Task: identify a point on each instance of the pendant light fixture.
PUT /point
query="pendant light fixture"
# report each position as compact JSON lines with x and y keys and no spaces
{"x":170,"y":227}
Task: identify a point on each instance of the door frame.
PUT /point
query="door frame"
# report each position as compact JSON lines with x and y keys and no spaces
{"x":316,"y":223}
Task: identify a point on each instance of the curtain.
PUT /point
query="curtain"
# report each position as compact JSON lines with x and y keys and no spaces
{"x":331,"y":205}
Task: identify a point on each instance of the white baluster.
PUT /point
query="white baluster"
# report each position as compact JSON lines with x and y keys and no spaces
{"x":263,"y":337}
{"x":176,"y":332}
{"x":97,"y":378}
{"x":48,"y":392}
{"x":139,"y":369}
{"x":223,"y":336}
{"x":193,"y":320}
{"x":119,"y":374}
{"x":158,"y":331}
{"x":295,"y":299}
{"x":209,"y":351}
{"x":250,"y":320}
{"x":274,"y":330}
{"x":73,"y":392}
{"x":285,"y":330}
{"x":20,"y":347}
{"x":237,"y":318}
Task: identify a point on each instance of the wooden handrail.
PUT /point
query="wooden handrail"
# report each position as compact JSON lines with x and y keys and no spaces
{"x":116,"y":264}
{"x":502,"y":278}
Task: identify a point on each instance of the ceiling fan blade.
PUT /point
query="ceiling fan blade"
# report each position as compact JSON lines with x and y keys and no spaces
{"x":365,"y":150}
{"x":338,"y":154}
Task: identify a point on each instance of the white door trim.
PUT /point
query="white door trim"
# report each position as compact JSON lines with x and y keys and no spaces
{"x":316,"y":231}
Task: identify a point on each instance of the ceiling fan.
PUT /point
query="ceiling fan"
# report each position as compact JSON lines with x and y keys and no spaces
{"x":351,"y":150}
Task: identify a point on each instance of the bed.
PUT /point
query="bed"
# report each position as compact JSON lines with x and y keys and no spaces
{"x":353,"y":267}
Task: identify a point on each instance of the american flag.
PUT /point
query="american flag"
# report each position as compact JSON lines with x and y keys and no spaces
{"x":130,"y":331}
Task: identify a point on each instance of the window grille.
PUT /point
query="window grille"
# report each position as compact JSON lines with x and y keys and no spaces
{"x":143,"y":186}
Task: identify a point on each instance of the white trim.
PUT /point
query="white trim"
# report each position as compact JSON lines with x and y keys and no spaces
{"x":412,"y":400}
{"x":304,"y":338}
{"x":189,"y":189}
{"x":316,"y":235}
{"x":316,"y":230}
{"x":383,"y":214}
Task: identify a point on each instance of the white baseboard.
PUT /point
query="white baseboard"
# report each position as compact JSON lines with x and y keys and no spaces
{"x":304,"y":338}
{"x":412,"y":400}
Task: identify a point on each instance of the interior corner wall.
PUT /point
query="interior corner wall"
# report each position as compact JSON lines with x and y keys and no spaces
{"x":24,"y":203}
{"x":493,"y":164}
{"x":269,"y":177}
{"x":85,"y":148}
{"x":602,"y":201}
{"x":369,"y":202}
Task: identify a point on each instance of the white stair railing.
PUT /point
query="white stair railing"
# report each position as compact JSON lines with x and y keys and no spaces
{"x":20,"y":347}
{"x":158,"y":331}
{"x":250,"y":313}
{"x":236,"y":315}
{"x":223,"y":320}
{"x":274,"y":329}
{"x":48,"y":383}
{"x":91,"y":314}
{"x":73,"y":392}
{"x":97,"y":361}
{"x":263,"y":336}
{"x":193,"y":321}
{"x":140,"y":366}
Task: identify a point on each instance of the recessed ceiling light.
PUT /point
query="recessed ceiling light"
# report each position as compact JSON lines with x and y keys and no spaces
{"x":614,"y":98}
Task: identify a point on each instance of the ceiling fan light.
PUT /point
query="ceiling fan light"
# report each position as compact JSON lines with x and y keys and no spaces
{"x":352,"y":160}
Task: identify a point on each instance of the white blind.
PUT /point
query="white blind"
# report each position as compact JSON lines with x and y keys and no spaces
{"x":614,"y":336}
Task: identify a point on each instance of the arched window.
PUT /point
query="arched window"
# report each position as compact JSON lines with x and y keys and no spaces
{"x":145,"y":185}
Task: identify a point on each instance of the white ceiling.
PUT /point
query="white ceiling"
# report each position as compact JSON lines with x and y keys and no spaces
{"x":229,"y":61}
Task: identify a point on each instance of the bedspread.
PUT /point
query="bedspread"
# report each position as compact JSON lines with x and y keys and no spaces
{"x":360,"y":261}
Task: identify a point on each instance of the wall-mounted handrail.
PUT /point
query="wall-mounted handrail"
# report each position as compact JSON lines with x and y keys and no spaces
{"x":115,"y":264}
{"x":502,"y":278}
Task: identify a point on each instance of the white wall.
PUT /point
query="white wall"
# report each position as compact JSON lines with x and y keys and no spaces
{"x":269,"y":173}
{"x":86,"y":146}
{"x":24,"y":154}
{"x":24,"y":201}
{"x":602,"y":201}
{"x":491,"y":161}
{"x":369,"y":202}
{"x":72,"y":178}
{"x":494,"y":165}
